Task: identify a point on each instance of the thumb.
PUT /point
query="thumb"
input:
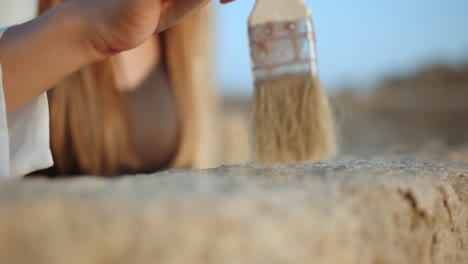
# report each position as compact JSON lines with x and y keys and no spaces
{"x":172,"y":11}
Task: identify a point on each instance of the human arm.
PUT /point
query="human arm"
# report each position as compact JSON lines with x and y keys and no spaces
{"x":36,"y":55}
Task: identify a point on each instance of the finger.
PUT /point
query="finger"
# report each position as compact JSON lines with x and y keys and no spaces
{"x":174,"y":10}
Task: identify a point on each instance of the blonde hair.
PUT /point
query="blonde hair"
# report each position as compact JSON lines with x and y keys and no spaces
{"x":89,"y":120}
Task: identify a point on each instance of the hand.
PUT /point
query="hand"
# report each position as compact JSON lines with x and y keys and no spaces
{"x":119,"y":25}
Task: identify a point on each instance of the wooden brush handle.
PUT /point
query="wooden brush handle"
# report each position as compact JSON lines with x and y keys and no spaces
{"x":267,"y":11}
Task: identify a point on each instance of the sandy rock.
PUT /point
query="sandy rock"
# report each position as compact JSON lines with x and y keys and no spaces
{"x":350,"y":211}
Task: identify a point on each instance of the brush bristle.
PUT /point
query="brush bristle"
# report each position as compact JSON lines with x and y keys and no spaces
{"x":292,"y":121}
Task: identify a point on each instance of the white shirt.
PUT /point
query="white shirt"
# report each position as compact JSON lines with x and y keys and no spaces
{"x":24,"y":134}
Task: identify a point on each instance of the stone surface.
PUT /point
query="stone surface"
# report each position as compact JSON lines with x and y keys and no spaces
{"x":381,"y":211}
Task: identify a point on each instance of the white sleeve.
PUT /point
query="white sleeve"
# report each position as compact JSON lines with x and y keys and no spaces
{"x":24,"y":136}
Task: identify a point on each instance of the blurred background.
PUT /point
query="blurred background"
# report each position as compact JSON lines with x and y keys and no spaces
{"x":359,"y":42}
{"x":395,"y":71}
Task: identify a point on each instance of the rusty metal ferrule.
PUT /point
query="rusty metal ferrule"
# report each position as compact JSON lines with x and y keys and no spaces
{"x":283,"y":49}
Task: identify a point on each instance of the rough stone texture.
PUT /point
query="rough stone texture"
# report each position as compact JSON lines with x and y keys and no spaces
{"x":350,"y":211}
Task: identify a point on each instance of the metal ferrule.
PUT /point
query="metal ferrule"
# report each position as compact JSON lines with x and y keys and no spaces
{"x":283,"y":49}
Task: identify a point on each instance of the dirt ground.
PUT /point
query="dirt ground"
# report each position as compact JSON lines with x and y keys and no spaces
{"x":391,"y":209}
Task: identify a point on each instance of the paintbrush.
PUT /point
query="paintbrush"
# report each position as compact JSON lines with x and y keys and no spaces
{"x":292,"y":118}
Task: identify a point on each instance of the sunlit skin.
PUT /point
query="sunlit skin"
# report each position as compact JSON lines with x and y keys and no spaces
{"x":77,"y":33}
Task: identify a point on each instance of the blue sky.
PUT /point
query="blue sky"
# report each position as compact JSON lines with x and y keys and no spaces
{"x":359,"y":42}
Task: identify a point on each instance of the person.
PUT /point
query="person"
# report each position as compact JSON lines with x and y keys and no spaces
{"x":94,"y":52}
